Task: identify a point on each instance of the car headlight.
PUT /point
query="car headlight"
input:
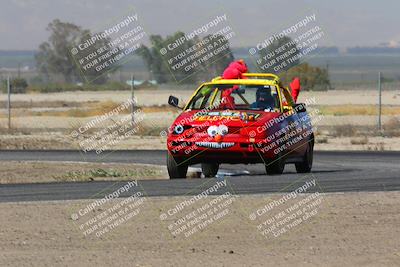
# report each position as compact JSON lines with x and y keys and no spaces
{"x":178,"y":129}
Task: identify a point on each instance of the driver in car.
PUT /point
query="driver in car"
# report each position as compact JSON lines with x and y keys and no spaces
{"x":264,"y":100}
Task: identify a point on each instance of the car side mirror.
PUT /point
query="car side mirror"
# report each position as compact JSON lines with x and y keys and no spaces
{"x":174,"y":101}
{"x":301,"y":107}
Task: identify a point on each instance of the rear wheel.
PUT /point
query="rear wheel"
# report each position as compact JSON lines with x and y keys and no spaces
{"x":276,"y":166}
{"x":209,"y":169}
{"x":305,"y":165}
{"x":176,"y":170}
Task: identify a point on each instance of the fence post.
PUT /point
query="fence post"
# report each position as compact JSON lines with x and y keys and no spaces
{"x":133,"y":99}
{"x":380,"y":102}
{"x":9,"y":102}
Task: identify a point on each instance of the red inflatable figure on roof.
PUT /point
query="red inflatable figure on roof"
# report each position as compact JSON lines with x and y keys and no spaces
{"x":295,"y":87}
{"x":235,"y":70}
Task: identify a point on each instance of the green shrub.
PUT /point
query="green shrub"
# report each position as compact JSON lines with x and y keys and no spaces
{"x":18,"y":86}
{"x":311,"y":78}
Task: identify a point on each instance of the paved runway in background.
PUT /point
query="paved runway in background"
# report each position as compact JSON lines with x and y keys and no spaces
{"x":339,"y":171}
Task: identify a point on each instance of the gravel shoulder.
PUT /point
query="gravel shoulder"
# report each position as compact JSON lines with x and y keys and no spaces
{"x":15,"y":172}
{"x":352,"y":229}
{"x":62,"y":141}
{"x":150,"y":97}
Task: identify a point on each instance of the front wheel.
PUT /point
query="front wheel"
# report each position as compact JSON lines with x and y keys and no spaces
{"x":276,"y":166}
{"x":209,"y":169}
{"x":305,"y":165}
{"x":176,"y":170}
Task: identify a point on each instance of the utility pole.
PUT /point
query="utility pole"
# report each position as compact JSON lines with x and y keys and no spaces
{"x":9,"y":102}
{"x":380,"y":101}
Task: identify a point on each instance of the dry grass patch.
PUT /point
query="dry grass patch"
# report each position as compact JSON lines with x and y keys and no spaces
{"x":344,"y":130}
{"x":43,"y":104}
{"x":13,"y":172}
{"x":392,"y":127}
{"x":321,"y":139}
{"x":359,"y":140}
{"x":342,"y":110}
{"x":101,"y":173}
{"x":88,"y":110}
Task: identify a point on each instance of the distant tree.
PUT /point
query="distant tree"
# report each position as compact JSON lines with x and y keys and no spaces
{"x":54,"y":56}
{"x":154,"y":60}
{"x":276,"y":50}
{"x":97,"y":77}
{"x":164,"y":72}
{"x":311,"y":78}
{"x":221,"y":59}
{"x":157,"y":63}
{"x":180,"y":74}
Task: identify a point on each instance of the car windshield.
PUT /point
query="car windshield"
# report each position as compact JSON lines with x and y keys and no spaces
{"x":236,"y":97}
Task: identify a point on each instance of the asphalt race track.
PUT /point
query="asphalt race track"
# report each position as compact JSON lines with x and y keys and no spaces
{"x":341,"y":171}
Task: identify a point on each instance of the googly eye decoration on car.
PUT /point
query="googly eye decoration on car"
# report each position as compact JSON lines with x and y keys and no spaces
{"x":212,"y":130}
{"x":222,"y":129}
{"x":178,"y":129}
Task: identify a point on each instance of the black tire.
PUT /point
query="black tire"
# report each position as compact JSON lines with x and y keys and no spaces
{"x":176,"y":170}
{"x":277,"y":166}
{"x":209,"y":169}
{"x":306,"y":165}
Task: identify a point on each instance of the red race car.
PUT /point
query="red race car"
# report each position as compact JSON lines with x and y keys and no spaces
{"x":251,"y":120}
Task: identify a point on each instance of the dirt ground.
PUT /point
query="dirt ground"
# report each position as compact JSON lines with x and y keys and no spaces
{"x":38,"y":124}
{"x":13,"y":172}
{"x":352,"y":229}
{"x":161,"y":120}
{"x":42,"y":111}
{"x":62,"y":141}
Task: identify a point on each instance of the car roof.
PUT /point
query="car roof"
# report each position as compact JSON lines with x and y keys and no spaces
{"x":253,"y":79}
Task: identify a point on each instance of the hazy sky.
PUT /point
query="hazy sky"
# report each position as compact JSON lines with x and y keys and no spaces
{"x":345,"y":22}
